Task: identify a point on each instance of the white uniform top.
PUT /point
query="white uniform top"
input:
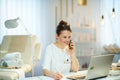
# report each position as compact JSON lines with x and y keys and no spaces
{"x":57,"y":60}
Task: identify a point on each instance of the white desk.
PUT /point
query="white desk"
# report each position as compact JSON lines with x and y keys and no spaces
{"x":110,"y":78}
{"x":49,"y":78}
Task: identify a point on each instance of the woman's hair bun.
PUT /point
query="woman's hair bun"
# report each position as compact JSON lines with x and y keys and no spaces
{"x":63,"y":25}
{"x":63,"y":22}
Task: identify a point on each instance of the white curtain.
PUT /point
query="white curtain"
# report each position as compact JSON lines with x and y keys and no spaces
{"x":37,"y":16}
{"x":34,"y":14}
{"x":110,"y":29}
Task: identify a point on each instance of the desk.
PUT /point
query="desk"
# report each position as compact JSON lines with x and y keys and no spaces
{"x":115,"y":77}
{"x":48,"y":78}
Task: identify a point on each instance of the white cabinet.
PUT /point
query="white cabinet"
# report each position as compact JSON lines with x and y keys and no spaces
{"x":85,"y":43}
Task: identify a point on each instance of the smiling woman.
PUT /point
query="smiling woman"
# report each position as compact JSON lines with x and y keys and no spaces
{"x":59,"y":58}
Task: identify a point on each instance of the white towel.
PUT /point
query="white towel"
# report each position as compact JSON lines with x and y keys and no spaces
{"x":12,"y":56}
{"x":12,"y":63}
{"x":20,"y":72}
{"x":12,"y":60}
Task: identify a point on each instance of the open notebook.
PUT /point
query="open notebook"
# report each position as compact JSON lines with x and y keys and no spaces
{"x":99,"y":67}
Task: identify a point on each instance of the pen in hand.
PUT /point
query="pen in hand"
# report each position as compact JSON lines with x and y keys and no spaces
{"x":58,"y":76}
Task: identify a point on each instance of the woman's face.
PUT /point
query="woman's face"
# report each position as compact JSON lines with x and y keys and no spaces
{"x":64,"y":37}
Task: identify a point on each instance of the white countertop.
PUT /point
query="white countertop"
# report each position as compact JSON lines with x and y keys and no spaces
{"x":48,"y":78}
{"x":110,"y":77}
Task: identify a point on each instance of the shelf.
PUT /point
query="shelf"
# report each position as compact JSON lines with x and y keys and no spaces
{"x":84,"y":37}
{"x":88,"y":30}
{"x":85,"y":40}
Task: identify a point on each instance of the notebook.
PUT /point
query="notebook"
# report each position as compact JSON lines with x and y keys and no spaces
{"x":99,"y":67}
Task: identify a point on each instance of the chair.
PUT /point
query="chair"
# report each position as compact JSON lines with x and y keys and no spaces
{"x":27,"y":46}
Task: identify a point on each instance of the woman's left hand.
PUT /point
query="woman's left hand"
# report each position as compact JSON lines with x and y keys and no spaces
{"x":71,"y":48}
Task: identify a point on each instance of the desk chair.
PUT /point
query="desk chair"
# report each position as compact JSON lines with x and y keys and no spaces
{"x":27,"y":46}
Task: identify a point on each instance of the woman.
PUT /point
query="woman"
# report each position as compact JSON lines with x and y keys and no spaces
{"x":60,"y":56}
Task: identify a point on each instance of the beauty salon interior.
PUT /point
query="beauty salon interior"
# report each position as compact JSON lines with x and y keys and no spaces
{"x":27,"y":27}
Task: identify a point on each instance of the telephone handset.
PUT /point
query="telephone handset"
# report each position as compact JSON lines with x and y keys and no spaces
{"x":70,"y":46}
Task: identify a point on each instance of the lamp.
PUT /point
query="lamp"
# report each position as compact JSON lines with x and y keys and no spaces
{"x":82,"y":2}
{"x":102,"y":19}
{"x":113,"y":10}
{"x":13,"y":23}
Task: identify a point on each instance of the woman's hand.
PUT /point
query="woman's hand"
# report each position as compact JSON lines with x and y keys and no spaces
{"x":71,"y":48}
{"x":55,"y":75}
{"x":58,"y":76}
